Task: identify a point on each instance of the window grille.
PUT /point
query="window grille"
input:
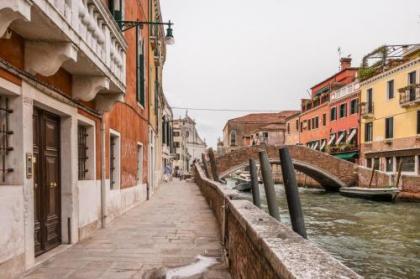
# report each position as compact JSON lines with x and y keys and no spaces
{"x":5,"y":132}
{"x":82,"y":146}
{"x":112,"y":162}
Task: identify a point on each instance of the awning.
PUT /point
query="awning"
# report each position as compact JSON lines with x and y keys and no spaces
{"x":351,"y":136}
{"x":346,"y":156}
{"x":324,"y":142}
{"x":331,"y":139}
{"x":340,"y":138}
{"x":316,"y":145}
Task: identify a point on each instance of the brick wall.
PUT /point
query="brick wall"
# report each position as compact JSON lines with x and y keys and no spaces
{"x":258,"y":246}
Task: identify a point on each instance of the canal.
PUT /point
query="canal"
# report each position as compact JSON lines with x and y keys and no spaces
{"x":375,"y":239}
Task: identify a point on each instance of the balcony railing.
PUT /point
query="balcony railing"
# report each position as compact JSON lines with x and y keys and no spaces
{"x":366,"y":110}
{"x":81,"y":31}
{"x":410,"y":95}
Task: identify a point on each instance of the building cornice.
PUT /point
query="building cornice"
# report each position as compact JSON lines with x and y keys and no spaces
{"x":390,"y":72}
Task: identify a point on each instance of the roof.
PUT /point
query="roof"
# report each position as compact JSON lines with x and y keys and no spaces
{"x":334,"y":75}
{"x":261,"y":118}
{"x":297,"y":113}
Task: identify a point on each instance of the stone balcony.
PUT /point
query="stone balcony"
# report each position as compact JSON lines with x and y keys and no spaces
{"x":366,"y":110}
{"x":410,"y":96}
{"x":78,"y":35}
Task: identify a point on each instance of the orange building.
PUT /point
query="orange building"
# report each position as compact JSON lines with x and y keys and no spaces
{"x":315,"y":118}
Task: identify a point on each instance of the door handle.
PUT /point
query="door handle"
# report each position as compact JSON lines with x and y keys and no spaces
{"x":53,"y":184}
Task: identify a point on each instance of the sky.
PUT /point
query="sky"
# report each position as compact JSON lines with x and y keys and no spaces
{"x":266,"y":54}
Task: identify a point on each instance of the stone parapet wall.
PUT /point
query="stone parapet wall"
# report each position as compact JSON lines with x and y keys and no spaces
{"x":258,"y":246}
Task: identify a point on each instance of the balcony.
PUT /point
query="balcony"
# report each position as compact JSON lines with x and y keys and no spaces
{"x":410,"y":95}
{"x":78,"y":35}
{"x":366,"y":110}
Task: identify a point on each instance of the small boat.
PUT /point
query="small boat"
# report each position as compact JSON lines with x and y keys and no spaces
{"x":377,"y":194}
{"x":243,"y":186}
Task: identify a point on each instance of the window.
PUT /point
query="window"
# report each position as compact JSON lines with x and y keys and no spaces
{"x":265,"y":135}
{"x":390,"y":89}
{"x":297,"y":125}
{"x":389,"y":164}
{"x":418,"y":122}
{"x":389,"y":127}
{"x":82,"y":151}
{"x":176,"y":143}
{"x":116,"y":8}
{"x":408,"y":163}
{"x":354,"y":106}
{"x":176,"y":134}
{"x":369,"y":163}
{"x":368,"y":132}
{"x":333,"y":114}
{"x":412,"y":82}
{"x":376,"y":164}
{"x":316,"y":122}
{"x":343,"y":110}
{"x":288,"y":128}
{"x":324,"y":119}
{"x":369,"y":100}
{"x":140,"y":73}
{"x":114,"y":160}
{"x":139,"y":176}
{"x":233,"y":138}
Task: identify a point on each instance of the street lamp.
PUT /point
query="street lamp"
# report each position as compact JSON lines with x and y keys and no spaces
{"x":127,"y":25}
{"x":169,"y":38}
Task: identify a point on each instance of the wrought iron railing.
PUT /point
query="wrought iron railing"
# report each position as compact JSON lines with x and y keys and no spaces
{"x":410,"y":94}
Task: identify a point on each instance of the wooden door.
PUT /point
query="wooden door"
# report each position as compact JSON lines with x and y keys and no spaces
{"x":47,"y":205}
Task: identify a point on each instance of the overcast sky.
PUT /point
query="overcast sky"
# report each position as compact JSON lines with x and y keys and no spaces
{"x":266,"y":54}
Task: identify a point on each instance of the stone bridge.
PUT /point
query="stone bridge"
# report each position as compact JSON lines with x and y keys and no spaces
{"x":331,"y":172}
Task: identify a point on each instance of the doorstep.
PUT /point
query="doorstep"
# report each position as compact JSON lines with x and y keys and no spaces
{"x":47,"y":256}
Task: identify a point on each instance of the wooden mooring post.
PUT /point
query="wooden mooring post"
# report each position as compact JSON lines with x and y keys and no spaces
{"x":292,"y":192}
{"x":206,"y":170}
{"x":270,"y":194}
{"x":213,"y":165}
{"x":254,"y":183}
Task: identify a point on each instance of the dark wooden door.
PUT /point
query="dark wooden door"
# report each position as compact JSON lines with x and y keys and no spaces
{"x":47,"y":205}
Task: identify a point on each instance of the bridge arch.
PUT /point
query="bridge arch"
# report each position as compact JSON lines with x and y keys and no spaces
{"x":332,"y":173}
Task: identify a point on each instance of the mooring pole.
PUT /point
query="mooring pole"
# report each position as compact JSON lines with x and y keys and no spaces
{"x":254,"y":183}
{"x":292,"y":193}
{"x":267,"y":176}
{"x":206,"y":170}
{"x":213,"y":165}
{"x":399,"y":173}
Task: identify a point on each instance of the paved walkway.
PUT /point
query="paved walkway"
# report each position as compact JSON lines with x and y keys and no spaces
{"x":170,"y":230}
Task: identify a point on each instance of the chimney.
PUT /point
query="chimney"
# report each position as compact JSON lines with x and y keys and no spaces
{"x":345,"y":63}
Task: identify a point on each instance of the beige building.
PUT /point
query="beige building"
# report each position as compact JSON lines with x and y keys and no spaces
{"x":292,"y":129}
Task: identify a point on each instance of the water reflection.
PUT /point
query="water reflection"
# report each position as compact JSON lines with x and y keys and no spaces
{"x":377,"y":240}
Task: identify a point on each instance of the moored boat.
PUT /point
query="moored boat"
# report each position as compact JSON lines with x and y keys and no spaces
{"x":378,"y":194}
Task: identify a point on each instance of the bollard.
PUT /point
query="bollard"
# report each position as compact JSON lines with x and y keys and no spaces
{"x":267,"y":176}
{"x":206,"y":170}
{"x":254,"y":183}
{"x":292,"y":193}
{"x":213,"y":165}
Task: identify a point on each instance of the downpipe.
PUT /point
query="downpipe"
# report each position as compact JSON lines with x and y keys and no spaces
{"x":103,"y":174}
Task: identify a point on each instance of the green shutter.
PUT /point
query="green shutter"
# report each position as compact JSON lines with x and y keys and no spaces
{"x":140,"y":79}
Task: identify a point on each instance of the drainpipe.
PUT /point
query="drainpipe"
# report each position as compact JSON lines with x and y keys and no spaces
{"x":103,"y":173}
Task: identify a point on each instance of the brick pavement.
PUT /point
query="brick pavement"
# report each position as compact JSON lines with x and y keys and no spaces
{"x":168,"y":231}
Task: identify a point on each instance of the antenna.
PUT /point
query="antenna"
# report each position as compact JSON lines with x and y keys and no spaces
{"x":339,"y":57}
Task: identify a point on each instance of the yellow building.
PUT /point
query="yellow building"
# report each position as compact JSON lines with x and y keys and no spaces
{"x":390,"y":109}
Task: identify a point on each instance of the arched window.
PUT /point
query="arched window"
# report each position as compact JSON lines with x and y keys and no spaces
{"x":232,"y":137}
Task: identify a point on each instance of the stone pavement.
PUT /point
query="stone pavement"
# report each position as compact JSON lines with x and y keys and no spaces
{"x":170,"y":230}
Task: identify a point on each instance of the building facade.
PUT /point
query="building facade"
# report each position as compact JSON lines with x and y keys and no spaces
{"x":189,"y":146}
{"x":344,"y":122}
{"x":316,"y":117}
{"x":252,"y":128}
{"x":75,"y":121}
{"x":390,"y":111}
{"x":293,"y":129}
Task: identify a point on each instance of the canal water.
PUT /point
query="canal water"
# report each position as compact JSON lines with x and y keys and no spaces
{"x":375,"y":239}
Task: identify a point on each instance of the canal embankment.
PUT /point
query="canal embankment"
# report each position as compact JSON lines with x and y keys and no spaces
{"x":258,"y":246}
